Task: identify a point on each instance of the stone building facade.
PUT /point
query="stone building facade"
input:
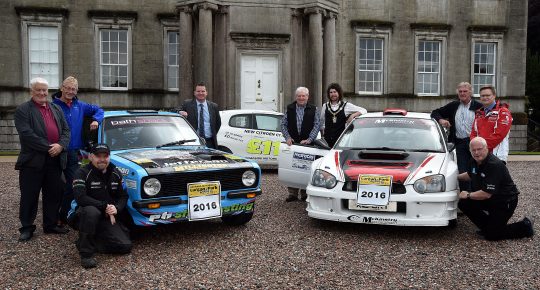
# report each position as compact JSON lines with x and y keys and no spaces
{"x":254,"y":53}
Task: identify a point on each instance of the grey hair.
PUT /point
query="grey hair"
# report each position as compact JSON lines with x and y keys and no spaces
{"x":479,"y":140}
{"x":38,"y":80}
{"x":301,"y":89}
{"x":464,"y":84}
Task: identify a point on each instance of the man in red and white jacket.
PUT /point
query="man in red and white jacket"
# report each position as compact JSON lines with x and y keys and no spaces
{"x":492,"y":122}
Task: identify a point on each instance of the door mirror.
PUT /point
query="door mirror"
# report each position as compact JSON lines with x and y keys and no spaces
{"x":321,"y":143}
{"x":451,"y":146}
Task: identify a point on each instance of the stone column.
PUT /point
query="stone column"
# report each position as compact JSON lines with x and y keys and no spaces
{"x":204,"y":66}
{"x":329,"y":48}
{"x":185,"y":83}
{"x":315,"y":54}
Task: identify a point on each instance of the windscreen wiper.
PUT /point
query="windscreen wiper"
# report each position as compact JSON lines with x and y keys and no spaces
{"x":379,"y":148}
{"x":177,"y":142}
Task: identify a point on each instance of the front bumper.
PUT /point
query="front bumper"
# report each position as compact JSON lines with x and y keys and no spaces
{"x":175,"y":209}
{"x":413,"y":209}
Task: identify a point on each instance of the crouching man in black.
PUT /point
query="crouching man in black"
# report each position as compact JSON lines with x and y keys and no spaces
{"x":100,"y":197}
{"x":494,"y":196}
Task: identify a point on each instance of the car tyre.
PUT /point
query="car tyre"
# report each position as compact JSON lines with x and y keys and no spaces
{"x":452,"y":224}
{"x":238,"y":219}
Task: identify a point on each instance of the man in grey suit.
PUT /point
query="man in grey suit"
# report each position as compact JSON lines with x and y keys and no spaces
{"x":44,"y":136}
{"x":200,"y":109}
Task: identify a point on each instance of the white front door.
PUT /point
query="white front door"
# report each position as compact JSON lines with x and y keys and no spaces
{"x":259,"y":79}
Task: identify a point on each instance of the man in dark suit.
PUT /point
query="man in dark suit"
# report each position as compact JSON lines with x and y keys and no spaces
{"x":458,"y":117}
{"x":44,"y":136}
{"x":200,"y":109}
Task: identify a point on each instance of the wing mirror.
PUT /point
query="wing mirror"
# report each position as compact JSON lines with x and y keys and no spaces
{"x":451,"y":146}
{"x":321,"y":143}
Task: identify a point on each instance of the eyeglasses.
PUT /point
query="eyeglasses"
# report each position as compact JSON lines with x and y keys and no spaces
{"x":70,"y":89}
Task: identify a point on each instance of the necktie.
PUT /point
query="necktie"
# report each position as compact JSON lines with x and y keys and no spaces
{"x":201,"y":121}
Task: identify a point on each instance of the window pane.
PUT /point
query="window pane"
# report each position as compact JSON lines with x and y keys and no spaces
{"x":114,"y":57}
{"x":370,"y":64}
{"x":484,"y":69}
{"x":43,"y":49}
{"x":172,"y":59}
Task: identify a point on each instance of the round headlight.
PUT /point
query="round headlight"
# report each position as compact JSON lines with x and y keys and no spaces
{"x":152,"y":186}
{"x":248,"y":178}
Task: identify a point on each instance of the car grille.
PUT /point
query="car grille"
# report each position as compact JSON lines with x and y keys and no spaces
{"x":397,"y":188}
{"x":175,"y":184}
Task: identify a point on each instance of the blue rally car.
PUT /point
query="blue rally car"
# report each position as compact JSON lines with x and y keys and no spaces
{"x":171,"y":176}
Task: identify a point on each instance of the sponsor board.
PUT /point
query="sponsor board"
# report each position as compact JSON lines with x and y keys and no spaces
{"x":372,"y":220}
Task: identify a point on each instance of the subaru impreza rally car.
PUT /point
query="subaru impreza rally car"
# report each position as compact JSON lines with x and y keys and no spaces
{"x":392,"y":168}
{"x":171,"y":176}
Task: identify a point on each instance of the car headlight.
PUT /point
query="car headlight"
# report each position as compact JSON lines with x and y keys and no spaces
{"x":248,"y":178}
{"x":152,"y":186}
{"x":322,"y":178}
{"x":429,"y":184}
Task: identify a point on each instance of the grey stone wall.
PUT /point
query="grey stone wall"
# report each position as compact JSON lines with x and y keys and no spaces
{"x":518,"y":138}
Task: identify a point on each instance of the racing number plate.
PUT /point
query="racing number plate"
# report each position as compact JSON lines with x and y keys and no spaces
{"x":204,"y":200}
{"x":373,"y":189}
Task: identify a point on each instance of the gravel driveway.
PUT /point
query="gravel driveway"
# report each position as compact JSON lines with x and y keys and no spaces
{"x":280,"y":248}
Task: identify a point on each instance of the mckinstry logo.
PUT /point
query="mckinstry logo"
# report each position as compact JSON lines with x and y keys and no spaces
{"x":373,"y":220}
{"x":303,"y":156}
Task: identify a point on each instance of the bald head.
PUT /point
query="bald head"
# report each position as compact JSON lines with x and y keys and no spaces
{"x":479,"y":149}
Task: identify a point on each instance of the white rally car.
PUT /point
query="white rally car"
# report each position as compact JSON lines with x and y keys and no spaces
{"x":393,"y":168}
{"x":253,"y":134}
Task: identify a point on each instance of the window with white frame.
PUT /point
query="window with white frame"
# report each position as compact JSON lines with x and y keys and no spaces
{"x":484,"y":65}
{"x":42,"y":48}
{"x":172,"y":60}
{"x":371,"y":60}
{"x":428,"y":59}
{"x":113,"y":50}
{"x":486,"y":49}
{"x":114,"y":58}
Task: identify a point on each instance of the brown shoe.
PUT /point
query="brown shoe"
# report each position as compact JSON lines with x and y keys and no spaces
{"x":291,"y":198}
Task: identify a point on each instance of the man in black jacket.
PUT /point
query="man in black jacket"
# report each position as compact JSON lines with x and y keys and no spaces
{"x":100,"y":197}
{"x":494,"y":196}
{"x":458,"y":117}
{"x":44,"y":137}
{"x":203,"y":115}
{"x":300,"y":125}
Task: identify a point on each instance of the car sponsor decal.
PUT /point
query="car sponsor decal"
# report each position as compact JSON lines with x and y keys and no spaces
{"x":123,"y":170}
{"x":240,"y":207}
{"x":302,"y":160}
{"x":135,"y":121}
{"x":198,"y":167}
{"x":131,"y":183}
{"x":169,"y":217}
{"x":426,"y":161}
{"x":257,"y":146}
{"x":234,"y":136}
{"x":372,"y":220}
{"x":338,"y":167}
{"x":263,"y":133}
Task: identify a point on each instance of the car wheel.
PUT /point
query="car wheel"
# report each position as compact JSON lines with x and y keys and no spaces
{"x":238,"y":219}
{"x":452,"y":223}
{"x":224,"y":149}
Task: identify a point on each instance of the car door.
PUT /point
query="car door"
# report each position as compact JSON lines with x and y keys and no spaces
{"x":266,"y":138}
{"x":294,"y":163}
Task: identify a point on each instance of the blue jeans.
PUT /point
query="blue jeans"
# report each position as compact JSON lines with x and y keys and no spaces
{"x":463,"y":157}
{"x":71,"y":167}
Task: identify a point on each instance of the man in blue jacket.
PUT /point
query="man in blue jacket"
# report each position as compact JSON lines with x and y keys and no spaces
{"x":74,"y":111}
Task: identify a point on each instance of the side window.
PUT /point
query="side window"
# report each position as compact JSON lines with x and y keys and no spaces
{"x":241,"y":121}
{"x":268,"y":122}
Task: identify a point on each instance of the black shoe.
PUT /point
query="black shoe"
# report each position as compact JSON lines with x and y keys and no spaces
{"x":88,"y":263}
{"x":303,"y":197}
{"x":56,"y":230}
{"x":529,"y":231}
{"x":291,"y":198}
{"x":480,"y":233}
{"x":25,"y":236}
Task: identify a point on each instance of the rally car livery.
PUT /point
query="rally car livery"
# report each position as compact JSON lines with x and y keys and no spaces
{"x":171,"y":176}
{"x":390,"y":168}
{"x":253,"y":134}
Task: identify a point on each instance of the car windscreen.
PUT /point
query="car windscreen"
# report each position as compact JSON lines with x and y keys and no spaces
{"x":392,"y":133}
{"x":129,"y":132}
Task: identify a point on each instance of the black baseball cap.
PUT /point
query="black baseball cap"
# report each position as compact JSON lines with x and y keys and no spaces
{"x":100,"y":148}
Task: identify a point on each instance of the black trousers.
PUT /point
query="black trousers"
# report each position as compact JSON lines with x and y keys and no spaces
{"x":491,"y":218}
{"x":210,"y":143}
{"x":97,"y":234}
{"x":48,"y":180}
{"x":463,"y":154}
